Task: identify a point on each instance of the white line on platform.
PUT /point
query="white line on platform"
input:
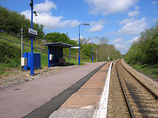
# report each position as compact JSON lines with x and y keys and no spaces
{"x":103,"y":105}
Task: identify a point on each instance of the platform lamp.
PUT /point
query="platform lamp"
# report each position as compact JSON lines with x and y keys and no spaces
{"x":32,"y":60}
{"x":92,"y":45}
{"x":79,"y":41}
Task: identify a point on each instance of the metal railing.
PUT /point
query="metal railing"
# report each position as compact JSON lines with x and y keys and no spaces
{"x":25,"y":45}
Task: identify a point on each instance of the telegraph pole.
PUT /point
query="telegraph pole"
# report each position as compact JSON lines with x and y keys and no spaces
{"x":21,"y":42}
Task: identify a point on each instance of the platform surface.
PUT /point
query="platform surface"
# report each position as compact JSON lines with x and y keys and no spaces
{"x":20,"y":100}
{"x":84,"y":102}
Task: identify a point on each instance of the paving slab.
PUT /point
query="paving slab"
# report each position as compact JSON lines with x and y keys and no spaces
{"x":20,"y":100}
{"x":84,"y":102}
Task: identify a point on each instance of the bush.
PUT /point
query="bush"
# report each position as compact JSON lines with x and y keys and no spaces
{"x":10,"y":55}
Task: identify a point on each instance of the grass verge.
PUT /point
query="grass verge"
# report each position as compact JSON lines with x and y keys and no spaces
{"x":149,"y":70}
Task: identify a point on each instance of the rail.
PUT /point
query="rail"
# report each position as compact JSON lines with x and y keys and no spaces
{"x":128,"y":104}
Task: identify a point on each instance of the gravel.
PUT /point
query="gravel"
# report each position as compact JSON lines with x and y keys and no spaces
{"x":16,"y":76}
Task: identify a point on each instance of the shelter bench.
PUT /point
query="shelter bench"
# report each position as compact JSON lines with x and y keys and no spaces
{"x":61,"y":62}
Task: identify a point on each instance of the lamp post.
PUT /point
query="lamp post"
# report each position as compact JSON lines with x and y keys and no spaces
{"x":79,"y":41}
{"x":96,"y":55}
{"x":92,"y":45}
{"x":32,"y":60}
{"x":32,"y":64}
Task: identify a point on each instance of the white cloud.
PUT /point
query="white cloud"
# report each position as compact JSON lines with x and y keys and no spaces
{"x":119,"y":46}
{"x":124,"y":46}
{"x":124,"y":21}
{"x":46,"y":18}
{"x":109,"y":6}
{"x":96,"y":26}
{"x":155,"y":2}
{"x":74,"y":23}
{"x":117,"y":40}
{"x":134,"y":27}
{"x":44,"y":7}
{"x":132,"y":14}
{"x":135,"y":39}
{"x":75,"y":39}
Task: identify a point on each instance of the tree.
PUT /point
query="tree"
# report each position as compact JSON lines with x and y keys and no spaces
{"x":106,"y":50}
{"x":145,"y":51}
{"x":84,"y":41}
{"x":57,"y":37}
{"x":4,"y":19}
{"x":103,"y":40}
{"x":39,"y":29}
{"x":87,"y":50}
{"x":11,"y":22}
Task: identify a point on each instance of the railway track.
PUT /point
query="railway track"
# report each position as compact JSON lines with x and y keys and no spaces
{"x":117,"y":107}
{"x":142,"y":102}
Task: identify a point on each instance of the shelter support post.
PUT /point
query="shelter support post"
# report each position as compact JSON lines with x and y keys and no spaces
{"x":70,"y":53}
{"x":48,"y":58}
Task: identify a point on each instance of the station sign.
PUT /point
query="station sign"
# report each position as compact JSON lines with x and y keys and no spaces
{"x":32,"y":32}
{"x":75,"y":47}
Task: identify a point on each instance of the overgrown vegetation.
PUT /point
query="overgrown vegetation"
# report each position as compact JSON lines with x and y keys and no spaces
{"x":144,"y":52}
{"x":150,"y":70}
{"x":10,"y":52}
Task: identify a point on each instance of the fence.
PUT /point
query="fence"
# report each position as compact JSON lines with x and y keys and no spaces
{"x":25,"y":45}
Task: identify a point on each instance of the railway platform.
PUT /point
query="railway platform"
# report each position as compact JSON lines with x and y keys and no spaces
{"x":85,"y":102}
{"x":41,"y":97}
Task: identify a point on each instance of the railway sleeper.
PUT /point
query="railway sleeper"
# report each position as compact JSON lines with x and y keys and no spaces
{"x":152,"y":115}
{"x":148,"y":105}
{"x":144,"y":101}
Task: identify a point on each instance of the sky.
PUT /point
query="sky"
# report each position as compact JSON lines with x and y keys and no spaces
{"x":121,"y":21}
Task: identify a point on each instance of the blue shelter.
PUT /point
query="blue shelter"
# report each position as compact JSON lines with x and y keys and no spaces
{"x":55,"y":51}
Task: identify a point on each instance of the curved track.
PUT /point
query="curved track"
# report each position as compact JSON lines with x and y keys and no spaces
{"x":142,"y":102}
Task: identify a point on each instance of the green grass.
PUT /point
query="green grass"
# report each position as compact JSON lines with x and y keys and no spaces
{"x":10,"y":52}
{"x":87,"y":60}
{"x":75,"y":61}
{"x":44,"y":60}
{"x":151,"y":70}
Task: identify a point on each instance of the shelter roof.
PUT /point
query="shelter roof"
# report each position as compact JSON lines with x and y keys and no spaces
{"x":61,"y":45}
